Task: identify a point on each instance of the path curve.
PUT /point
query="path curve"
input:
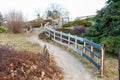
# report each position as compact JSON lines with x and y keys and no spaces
{"x":72,"y":68}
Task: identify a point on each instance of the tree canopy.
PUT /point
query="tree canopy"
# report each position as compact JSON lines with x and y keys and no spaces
{"x":106,"y":29}
{"x":59,"y":8}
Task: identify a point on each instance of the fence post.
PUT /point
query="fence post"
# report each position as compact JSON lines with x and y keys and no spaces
{"x":84,"y":48}
{"x":92,"y":49}
{"x":76,"y":42}
{"x":49,"y":33}
{"x":54,"y":34}
{"x":102,"y":59}
{"x":41,"y":24}
{"x":119,"y":63}
{"x":68,"y":39}
{"x":61,"y":36}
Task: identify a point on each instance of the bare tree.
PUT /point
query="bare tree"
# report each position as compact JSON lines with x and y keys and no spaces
{"x":38,"y":15}
{"x":14,"y":21}
{"x":59,"y":8}
{"x":1,"y":19}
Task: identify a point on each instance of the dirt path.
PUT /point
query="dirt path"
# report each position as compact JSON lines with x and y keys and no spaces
{"x":72,"y":68}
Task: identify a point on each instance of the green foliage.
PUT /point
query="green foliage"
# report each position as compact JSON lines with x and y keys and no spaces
{"x":106,"y":27}
{"x":2,"y":30}
{"x":92,"y":34}
{"x":112,"y":44}
{"x":84,"y":22}
{"x":89,"y":18}
{"x":69,"y":24}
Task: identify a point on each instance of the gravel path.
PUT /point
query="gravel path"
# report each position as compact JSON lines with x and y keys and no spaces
{"x":72,"y":68}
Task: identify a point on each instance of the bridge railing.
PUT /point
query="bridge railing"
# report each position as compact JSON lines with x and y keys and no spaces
{"x":95,"y":53}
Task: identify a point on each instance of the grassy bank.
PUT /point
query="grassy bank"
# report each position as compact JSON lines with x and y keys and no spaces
{"x":19,"y":42}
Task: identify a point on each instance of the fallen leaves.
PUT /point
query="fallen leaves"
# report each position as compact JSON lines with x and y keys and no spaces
{"x":25,"y":65}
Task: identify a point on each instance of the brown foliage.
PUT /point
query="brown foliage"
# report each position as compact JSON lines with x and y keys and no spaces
{"x":79,"y":31}
{"x":24,"y":65}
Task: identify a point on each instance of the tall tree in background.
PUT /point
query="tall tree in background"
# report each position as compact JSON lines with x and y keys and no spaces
{"x":106,"y":29}
{"x":1,"y":19}
{"x":14,"y":21}
{"x":59,"y":8}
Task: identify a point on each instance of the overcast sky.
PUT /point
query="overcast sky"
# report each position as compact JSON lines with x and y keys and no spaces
{"x":76,"y":8}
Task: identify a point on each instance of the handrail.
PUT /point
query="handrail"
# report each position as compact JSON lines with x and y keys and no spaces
{"x":79,"y":45}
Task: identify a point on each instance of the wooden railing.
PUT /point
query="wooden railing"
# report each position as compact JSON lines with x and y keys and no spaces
{"x":119,"y":63}
{"x":95,"y":53}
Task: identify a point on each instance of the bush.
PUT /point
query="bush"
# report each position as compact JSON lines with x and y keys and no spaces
{"x":89,"y":19}
{"x":79,"y":31}
{"x":106,"y":28}
{"x":85,"y":23}
{"x":69,"y":24}
{"x":15,"y":21}
{"x":2,"y":30}
{"x":112,"y":44}
{"x":65,"y":30}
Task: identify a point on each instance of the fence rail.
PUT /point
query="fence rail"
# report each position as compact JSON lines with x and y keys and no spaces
{"x":95,"y":53}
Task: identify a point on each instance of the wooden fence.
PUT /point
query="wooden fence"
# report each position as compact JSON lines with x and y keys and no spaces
{"x":119,"y":63}
{"x":95,"y":53}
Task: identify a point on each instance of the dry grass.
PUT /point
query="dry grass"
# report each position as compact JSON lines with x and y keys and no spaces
{"x":19,"y":42}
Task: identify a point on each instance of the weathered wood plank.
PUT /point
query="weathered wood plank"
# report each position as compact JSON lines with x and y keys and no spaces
{"x":80,"y":45}
{"x":102,"y":60}
{"x":95,"y":54}
{"x":92,"y":61}
{"x":97,"y":46}
{"x":73,"y":42}
{"x":57,"y":36}
{"x":65,"y":39}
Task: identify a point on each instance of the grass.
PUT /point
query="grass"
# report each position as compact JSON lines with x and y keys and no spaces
{"x":19,"y":42}
{"x":111,"y":64}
